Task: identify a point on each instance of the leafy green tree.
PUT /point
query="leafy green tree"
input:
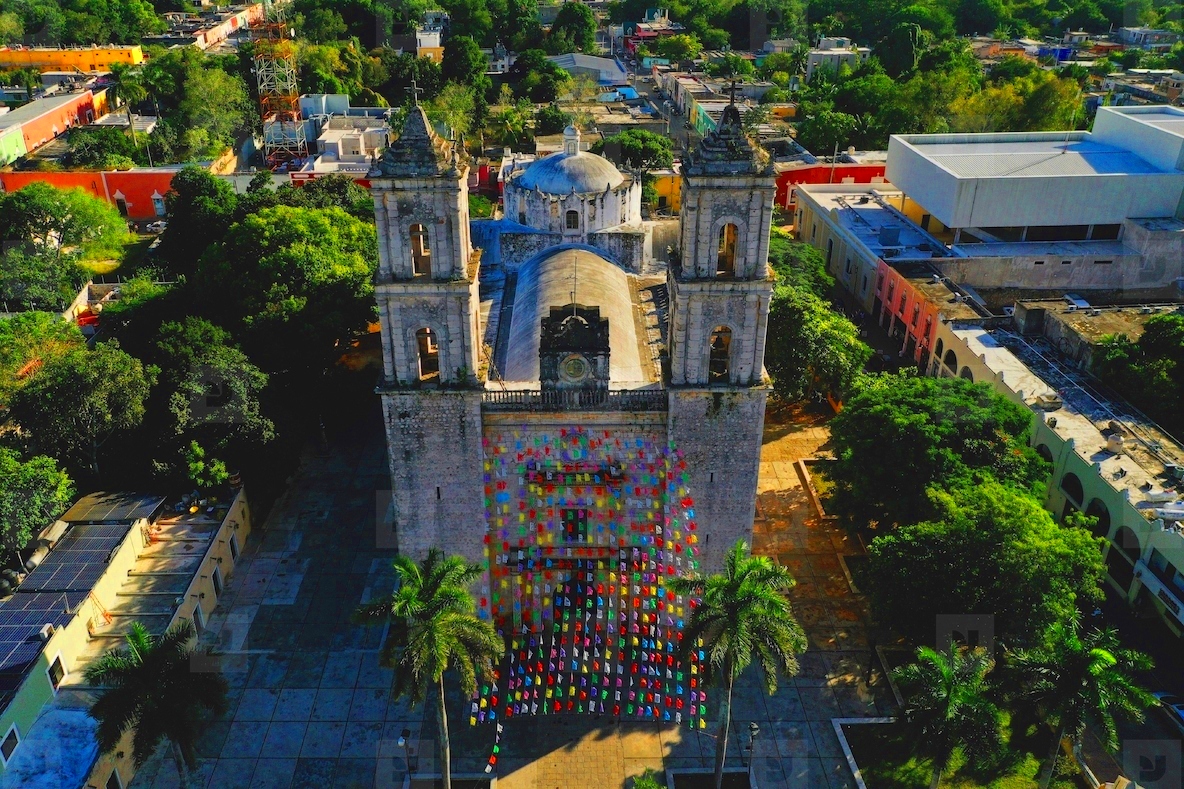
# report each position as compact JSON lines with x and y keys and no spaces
{"x":42,"y":219}
{"x":335,"y":190}
{"x":150,"y":688}
{"x":550,"y":120}
{"x":213,"y":391}
{"x":321,"y":25}
{"x":900,"y":50}
{"x":576,"y":23}
{"x":400,"y":70}
{"x":469,"y":19}
{"x":799,"y":265}
{"x":199,"y":207}
{"x":39,"y":279}
{"x":989,"y":549}
{"x":730,"y":65}
{"x":946,"y":699}
{"x":297,"y":281}
{"x":536,"y":78}
{"x":455,"y":107}
{"x":679,"y":47}
{"x":433,"y":628}
{"x":214,"y":110}
{"x":32,"y":494}
{"x":125,"y":83}
{"x":900,"y":435}
{"x":465,"y":65}
{"x":77,"y":401}
{"x":12,"y":30}
{"x":742,"y":616}
{"x":1148,"y":371}
{"x":99,"y":148}
{"x":810,"y":347}
{"x":27,"y":341}
{"x":825,"y":131}
{"x":1083,"y":679}
{"x":637,"y":148}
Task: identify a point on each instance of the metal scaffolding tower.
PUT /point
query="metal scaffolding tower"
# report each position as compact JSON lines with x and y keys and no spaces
{"x":285,"y":138}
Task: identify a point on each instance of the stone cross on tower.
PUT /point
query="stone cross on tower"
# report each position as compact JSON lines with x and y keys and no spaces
{"x":731,"y":91}
{"x":415,"y":90}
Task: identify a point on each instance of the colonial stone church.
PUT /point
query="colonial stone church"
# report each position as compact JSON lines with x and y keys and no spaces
{"x":581,"y":418}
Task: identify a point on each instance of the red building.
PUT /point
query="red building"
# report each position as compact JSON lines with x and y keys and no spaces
{"x":44,"y":119}
{"x":138,"y":193}
{"x":790,"y":174}
{"x":912,"y":298}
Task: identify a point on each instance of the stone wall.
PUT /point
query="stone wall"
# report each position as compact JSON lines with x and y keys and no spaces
{"x":434,"y":449}
{"x":517,"y":248}
{"x":626,"y":248}
{"x":719,"y":433}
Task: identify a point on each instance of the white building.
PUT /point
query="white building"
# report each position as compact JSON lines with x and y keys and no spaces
{"x":834,"y":52}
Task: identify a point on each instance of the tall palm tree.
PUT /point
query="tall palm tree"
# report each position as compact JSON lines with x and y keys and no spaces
{"x":433,"y":629}
{"x":1080,"y":680}
{"x":127,"y":83}
{"x":742,"y":616}
{"x":149,"y":686}
{"x":946,"y":699}
{"x":799,"y":57}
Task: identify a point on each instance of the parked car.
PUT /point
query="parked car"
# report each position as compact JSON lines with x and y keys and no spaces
{"x":157,"y":227}
{"x":1173,"y":706}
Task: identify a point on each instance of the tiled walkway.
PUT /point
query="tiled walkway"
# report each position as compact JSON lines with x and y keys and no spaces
{"x":310,"y":705}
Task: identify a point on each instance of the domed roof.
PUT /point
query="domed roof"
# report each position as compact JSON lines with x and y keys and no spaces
{"x":561,"y":172}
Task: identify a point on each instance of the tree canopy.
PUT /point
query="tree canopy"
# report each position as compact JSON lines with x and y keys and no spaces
{"x":989,"y":549}
{"x":32,"y":494}
{"x":900,"y":435}
{"x":1148,"y":371}
{"x":810,"y":347}
{"x":637,"y":148}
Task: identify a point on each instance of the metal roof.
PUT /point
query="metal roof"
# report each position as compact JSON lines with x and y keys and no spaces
{"x":999,"y":159}
{"x":35,"y":109}
{"x":105,"y":507}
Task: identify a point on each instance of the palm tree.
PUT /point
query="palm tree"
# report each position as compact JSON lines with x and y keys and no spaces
{"x":1080,"y":680}
{"x":127,"y":84}
{"x":150,"y":686}
{"x":945,"y":698}
{"x":433,"y":629}
{"x":799,"y":58}
{"x":742,"y":615}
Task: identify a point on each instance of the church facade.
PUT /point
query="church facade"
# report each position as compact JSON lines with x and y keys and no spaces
{"x":583,"y":429}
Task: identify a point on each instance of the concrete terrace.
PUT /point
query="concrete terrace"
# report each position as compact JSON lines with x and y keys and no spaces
{"x":310,"y":705}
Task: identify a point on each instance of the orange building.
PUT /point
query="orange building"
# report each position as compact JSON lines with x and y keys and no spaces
{"x":137,"y":193}
{"x":70,"y":58}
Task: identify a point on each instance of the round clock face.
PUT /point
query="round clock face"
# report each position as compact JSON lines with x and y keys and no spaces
{"x":574,"y":368}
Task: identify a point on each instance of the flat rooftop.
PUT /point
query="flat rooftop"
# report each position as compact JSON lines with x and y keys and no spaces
{"x":1031,"y":367}
{"x":1013,"y":155}
{"x":35,"y":109}
{"x":866,"y":211}
{"x":1128,"y":320}
{"x":938,"y":291}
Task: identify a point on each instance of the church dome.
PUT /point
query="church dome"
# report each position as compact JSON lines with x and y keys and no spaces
{"x":562,"y":172}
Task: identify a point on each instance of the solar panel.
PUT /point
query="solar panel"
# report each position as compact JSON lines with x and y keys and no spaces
{"x":78,"y":561}
{"x":21,"y":618}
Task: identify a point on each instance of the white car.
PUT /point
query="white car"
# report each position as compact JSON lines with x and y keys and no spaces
{"x":1172,"y":706}
{"x":157,"y":227}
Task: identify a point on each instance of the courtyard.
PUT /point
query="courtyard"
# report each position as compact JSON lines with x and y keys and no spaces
{"x":310,"y":705}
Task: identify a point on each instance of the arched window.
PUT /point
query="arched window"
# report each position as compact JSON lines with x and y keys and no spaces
{"x":969,"y":376}
{"x":937,"y":349}
{"x":719,"y":361}
{"x":951,"y":360}
{"x":1127,"y":542}
{"x":1071,"y":485}
{"x":725,"y":261}
{"x":573,"y":220}
{"x":429,"y":354}
{"x":421,"y":250}
{"x":1043,"y":451}
{"x":1097,"y":509}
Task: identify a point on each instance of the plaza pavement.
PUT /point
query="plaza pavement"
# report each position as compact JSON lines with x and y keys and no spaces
{"x":310,"y":706}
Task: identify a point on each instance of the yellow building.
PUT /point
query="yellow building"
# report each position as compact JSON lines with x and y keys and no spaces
{"x":155,"y":566}
{"x":668,"y":186}
{"x":428,"y":44}
{"x":70,"y":59}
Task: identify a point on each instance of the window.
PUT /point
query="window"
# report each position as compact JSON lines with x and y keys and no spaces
{"x":56,"y":673}
{"x":555,"y":209}
{"x":969,"y":376}
{"x":421,"y":251}
{"x":1037,"y":262}
{"x":725,"y":261}
{"x":121,"y":204}
{"x":199,"y":619}
{"x":1071,"y":484}
{"x":521,"y":216}
{"x":719,"y":359}
{"x":662,"y":202}
{"x":1103,"y":262}
{"x":575,"y":524}
{"x":916,"y":314}
{"x":848,"y":265}
{"x":813,"y":230}
{"x":234,"y":547}
{"x":429,"y":354}
{"x":216,"y":578}
{"x":113,"y":782}
{"x":1066,"y":262}
{"x":573,"y":220}
{"x":592,"y":207}
{"x":950,"y":360}
{"x":11,"y":740}
{"x":941,"y":344}
{"x":830,"y":249}
{"x":158,"y":205}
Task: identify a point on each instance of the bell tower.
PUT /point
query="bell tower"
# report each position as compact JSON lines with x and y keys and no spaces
{"x":428,"y":303}
{"x":720,"y":288}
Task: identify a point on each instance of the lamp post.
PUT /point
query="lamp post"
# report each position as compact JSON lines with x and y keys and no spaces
{"x":404,"y":743}
{"x":753,"y":731}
